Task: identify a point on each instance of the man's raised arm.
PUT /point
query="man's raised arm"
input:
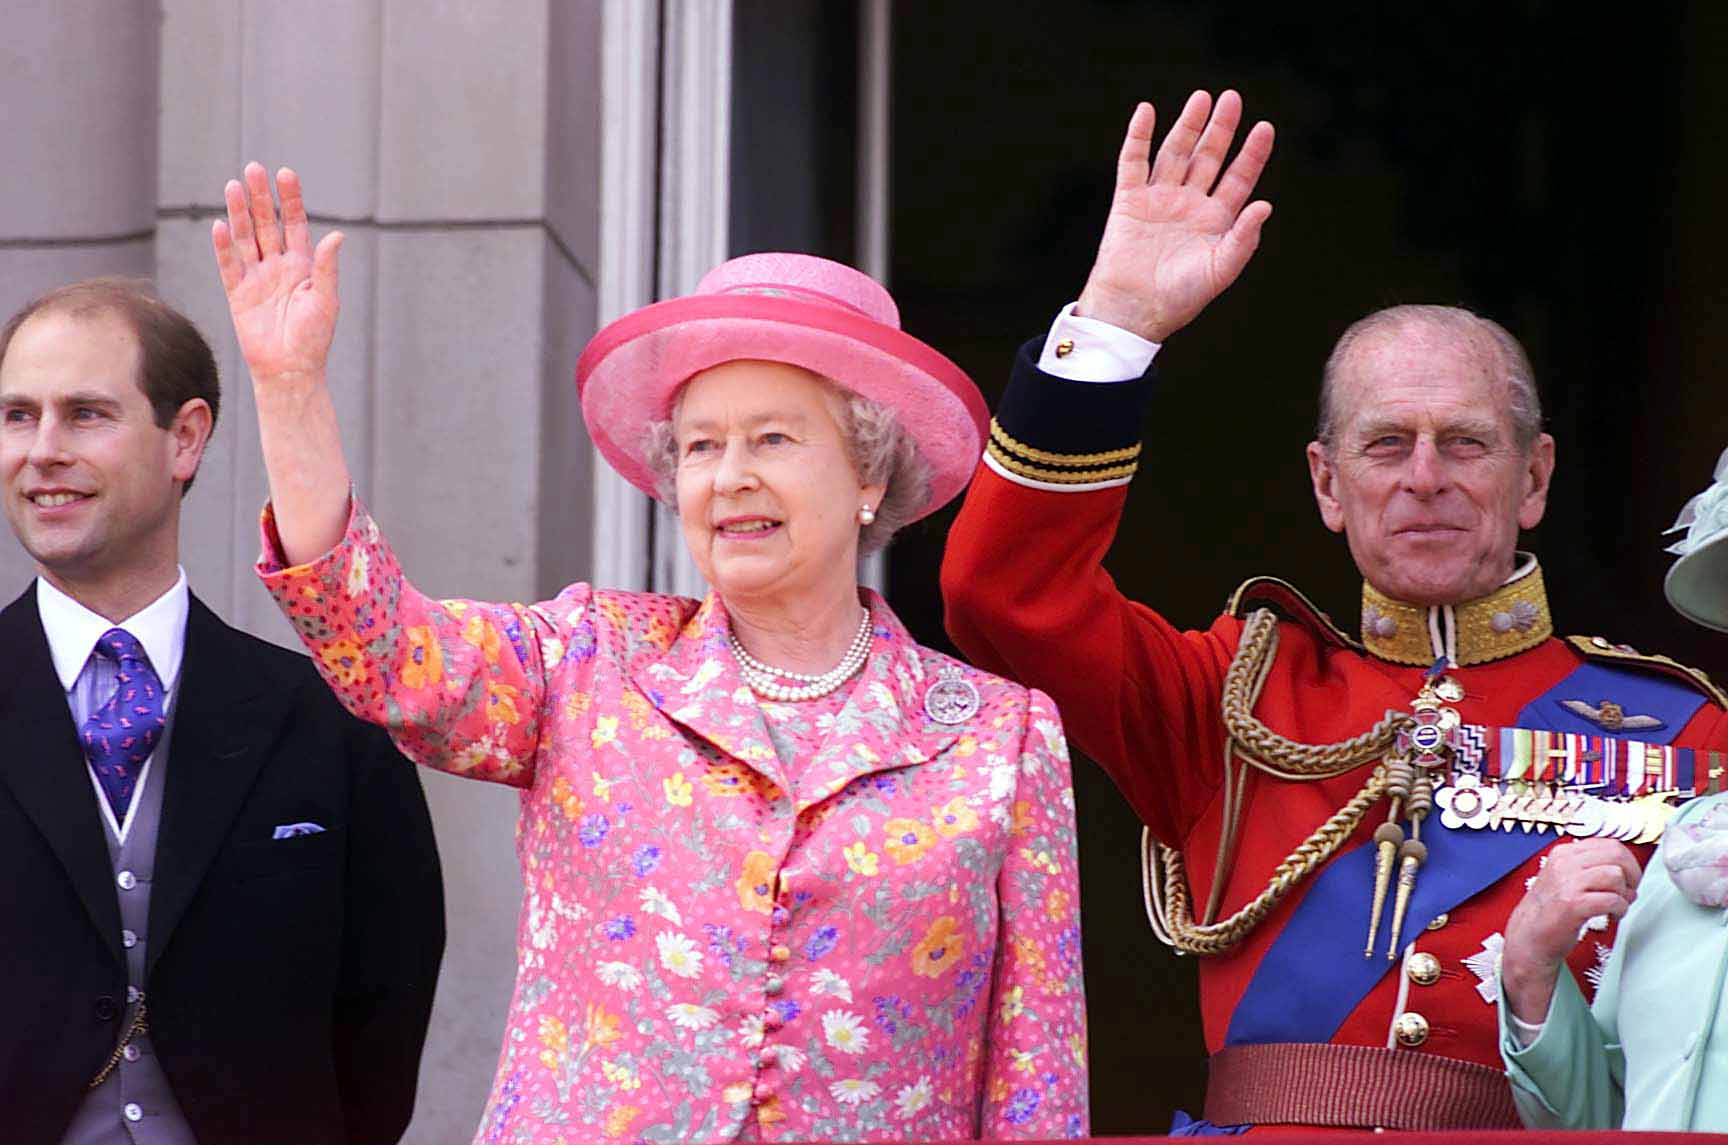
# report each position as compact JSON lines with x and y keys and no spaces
{"x":1023,"y":580}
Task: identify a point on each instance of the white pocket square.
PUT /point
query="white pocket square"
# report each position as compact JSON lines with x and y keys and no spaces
{"x":295,"y":830}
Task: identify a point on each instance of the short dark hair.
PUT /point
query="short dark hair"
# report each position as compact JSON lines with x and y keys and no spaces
{"x":176,"y":364}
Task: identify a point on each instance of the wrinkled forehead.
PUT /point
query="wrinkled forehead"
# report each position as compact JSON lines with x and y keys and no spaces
{"x":1415,"y":374}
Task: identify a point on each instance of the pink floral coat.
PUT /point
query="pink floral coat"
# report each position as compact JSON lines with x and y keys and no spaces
{"x":890,"y":953}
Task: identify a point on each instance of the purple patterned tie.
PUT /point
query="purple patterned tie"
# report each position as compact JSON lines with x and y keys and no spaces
{"x":120,"y":735}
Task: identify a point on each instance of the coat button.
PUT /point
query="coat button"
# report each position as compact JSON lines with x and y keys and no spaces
{"x":132,"y":995}
{"x":1439,"y":921}
{"x":1423,"y":969}
{"x":128,"y":939}
{"x":133,"y":1111}
{"x":1410,"y":1028}
{"x":106,"y":1009}
{"x":126,"y":880}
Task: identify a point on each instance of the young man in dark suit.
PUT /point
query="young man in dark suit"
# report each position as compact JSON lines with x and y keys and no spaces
{"x":222,"y":904}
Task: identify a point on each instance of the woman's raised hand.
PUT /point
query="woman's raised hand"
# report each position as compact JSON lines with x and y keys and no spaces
{"x":1181,"y":225}
{"x":282,"y":293}
{"x":282,"y":296}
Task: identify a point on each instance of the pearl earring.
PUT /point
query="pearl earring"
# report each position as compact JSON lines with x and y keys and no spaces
{"x":866,"y":515}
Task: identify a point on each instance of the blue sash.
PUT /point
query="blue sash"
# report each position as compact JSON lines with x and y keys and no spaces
{"x":1314,"y":976}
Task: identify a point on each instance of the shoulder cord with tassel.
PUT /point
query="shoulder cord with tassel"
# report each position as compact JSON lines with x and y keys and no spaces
{"x":1251,"y":744}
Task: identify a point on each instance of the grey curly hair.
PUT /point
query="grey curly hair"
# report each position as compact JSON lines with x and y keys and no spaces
{"x":880,"y":448}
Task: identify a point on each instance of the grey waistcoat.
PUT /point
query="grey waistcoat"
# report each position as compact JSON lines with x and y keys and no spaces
{"x":135,"y":1104}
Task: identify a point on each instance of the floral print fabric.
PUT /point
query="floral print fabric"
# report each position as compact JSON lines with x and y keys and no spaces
{"x":886,"y":949}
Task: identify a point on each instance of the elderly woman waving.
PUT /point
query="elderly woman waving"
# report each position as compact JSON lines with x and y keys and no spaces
{"x":788,"y":874}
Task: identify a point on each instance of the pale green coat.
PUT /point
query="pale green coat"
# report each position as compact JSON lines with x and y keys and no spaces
{"x":1652,"y":1052}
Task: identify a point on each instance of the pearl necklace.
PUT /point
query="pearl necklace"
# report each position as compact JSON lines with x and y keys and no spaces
{"x":765,"y":679}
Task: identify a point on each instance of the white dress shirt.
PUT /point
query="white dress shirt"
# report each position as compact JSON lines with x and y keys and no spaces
{"x":89,"y":680}
{"x":1087,"y":350}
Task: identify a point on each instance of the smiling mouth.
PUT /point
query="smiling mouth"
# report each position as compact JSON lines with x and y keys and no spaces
{"x":56,"y":500}
{"x":754,"y":527}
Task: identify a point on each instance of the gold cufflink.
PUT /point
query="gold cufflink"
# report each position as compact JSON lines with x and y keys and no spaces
{"x":1064,"y":347}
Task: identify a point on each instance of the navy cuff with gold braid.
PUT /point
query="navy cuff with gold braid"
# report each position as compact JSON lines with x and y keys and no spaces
{"x":1066,"y":436}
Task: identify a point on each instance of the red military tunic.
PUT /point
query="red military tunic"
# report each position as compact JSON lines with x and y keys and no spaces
{"x":1142,"y":697}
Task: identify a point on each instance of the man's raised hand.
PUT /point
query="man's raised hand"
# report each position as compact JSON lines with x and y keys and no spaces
{"x":1178,"y":233}
{"x":282,"y":294}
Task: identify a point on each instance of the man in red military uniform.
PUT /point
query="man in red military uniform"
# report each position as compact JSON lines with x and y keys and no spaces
{"x":1344,"y":824}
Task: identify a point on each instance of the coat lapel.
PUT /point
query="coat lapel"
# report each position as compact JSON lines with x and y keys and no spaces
{"x":225,"y":717}
{"x":882,"y":725}
{"x":43,"y":766}
{"x":697,"y":684}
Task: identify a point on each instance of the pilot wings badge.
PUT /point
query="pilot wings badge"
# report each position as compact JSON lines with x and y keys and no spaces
{"x":1611,"y":717}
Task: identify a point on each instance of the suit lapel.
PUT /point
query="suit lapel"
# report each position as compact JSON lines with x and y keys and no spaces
{"x":225,"y":717}
{"x":43,"y":766}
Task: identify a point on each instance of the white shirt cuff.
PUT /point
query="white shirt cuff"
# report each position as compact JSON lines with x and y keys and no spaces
{"x":1087,"y":350}
{"x":1524,"y":1034}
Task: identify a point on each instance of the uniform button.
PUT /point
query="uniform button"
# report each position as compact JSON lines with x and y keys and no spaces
{"x":126,"y":879}
{"x":1423,"y":969}
{"x":106,"y":1009}
{"x":1410,"y":1028}
{"x":130,"y":1053}
{"x":1439,"y":921}
{"x":773,"y":986}
{"x":133,"y":1112}
{"x":133,"y":994}
{"x":780,"y":953}
{"x":128,"y":939}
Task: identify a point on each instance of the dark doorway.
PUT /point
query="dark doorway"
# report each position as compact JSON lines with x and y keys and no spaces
{"x":1557,"y":174}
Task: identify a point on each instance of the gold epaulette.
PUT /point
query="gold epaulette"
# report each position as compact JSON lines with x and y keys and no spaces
{"x":1289,"y":602}
{"x":1603,"y":649}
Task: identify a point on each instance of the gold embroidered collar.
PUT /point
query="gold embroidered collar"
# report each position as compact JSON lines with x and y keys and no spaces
{"x":1512,"y":619}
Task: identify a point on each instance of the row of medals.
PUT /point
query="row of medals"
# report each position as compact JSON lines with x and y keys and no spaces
{"x":1534,"y":806}
{"x":1424,"y":770}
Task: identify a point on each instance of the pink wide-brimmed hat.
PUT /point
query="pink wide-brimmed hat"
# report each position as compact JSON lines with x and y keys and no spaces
{"x":793,"y":308}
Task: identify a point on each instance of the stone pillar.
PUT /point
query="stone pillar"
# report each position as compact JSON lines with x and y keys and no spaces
{"x":78,"y":188}
{"x":457,"y":146}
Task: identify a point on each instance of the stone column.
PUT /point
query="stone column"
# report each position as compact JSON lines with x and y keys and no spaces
{"x":78,"y":188}
{"x":457,"y":146}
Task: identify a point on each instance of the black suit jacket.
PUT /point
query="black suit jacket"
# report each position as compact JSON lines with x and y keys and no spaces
{"x":289,"y":982}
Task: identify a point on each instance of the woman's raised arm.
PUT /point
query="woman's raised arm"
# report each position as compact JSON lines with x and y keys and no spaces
{"x":282,"y":295}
